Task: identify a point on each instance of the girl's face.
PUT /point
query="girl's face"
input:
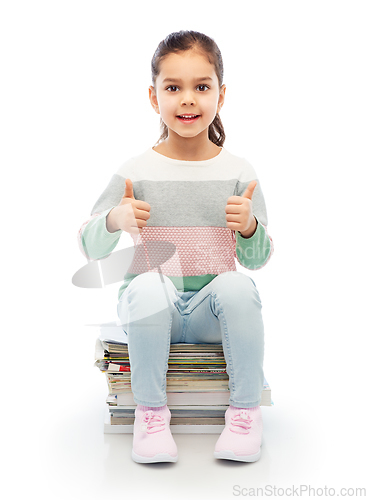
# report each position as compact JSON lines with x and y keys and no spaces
{"x":187,"y":85}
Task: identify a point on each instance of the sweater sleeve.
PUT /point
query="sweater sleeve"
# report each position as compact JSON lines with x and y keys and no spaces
{"x":95,"y":241}
{"x":253,"y":253}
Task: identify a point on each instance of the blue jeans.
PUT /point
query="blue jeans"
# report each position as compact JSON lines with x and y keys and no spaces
{"x":226,"y":311}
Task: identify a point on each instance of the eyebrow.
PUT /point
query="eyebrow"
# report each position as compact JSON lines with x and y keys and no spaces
{"x":179,"y":80}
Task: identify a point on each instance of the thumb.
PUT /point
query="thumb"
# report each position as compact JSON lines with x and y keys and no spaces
{"x":250,"y":190}
{"x":129,"y":192}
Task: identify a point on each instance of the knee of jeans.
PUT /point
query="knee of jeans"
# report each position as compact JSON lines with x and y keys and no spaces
{"x":233,"y":282}
{"x":147,"y":285}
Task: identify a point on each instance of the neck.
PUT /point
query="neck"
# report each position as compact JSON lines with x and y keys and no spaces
{"x":188,"y":148}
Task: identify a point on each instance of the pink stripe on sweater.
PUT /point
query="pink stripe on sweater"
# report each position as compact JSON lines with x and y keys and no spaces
{"x":199,"y":250}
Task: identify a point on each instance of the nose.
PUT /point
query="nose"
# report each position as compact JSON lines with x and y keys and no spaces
{"x":187,"y":98}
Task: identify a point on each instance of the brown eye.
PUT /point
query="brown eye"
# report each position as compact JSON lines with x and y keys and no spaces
{"x":171,"y":86}
{"x":202,"y":85}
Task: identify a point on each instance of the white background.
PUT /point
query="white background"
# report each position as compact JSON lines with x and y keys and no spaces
{"x":74,"y":106}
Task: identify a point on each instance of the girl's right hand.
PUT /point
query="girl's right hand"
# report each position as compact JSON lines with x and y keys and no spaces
{"x":130,"y":215}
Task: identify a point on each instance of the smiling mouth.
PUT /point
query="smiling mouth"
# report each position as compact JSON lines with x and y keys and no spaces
{"x":187,"y":117}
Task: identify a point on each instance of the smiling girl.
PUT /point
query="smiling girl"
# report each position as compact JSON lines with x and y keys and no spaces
{"x":191,"y":192}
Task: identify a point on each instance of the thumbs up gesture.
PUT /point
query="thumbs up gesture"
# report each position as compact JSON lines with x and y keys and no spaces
{"x":130,"y":215}
{"x":239,"y":212}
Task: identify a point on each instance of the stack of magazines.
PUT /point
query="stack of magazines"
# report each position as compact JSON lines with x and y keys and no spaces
{"x":197,"y":384}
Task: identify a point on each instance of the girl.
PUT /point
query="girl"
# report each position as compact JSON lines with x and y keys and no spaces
{"x":190,"y":193}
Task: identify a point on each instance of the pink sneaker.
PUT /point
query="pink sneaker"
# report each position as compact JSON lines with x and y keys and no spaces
{"x":241,"y":438}
{"x":153,"y":441}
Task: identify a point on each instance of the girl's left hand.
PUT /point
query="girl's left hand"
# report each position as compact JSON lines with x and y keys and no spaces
{"x":239,"y":211}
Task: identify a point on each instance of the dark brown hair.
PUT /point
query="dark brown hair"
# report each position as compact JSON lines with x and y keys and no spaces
{"x":180,"y":41}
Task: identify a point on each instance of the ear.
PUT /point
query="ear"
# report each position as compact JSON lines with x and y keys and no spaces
{"x":153,"y":99}
{"x":221,"y":97}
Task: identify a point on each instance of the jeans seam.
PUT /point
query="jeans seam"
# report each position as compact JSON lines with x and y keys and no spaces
{"x":231,"y":377}
{"x":183,"y":335}
{"x":199,"y":303}
{"x":163,"y":388}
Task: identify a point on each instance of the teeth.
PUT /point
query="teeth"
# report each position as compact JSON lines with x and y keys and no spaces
{"x":187,"y":116}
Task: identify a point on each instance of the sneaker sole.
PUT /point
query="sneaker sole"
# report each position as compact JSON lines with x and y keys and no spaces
{"x":229,"y":455}
{"x":160,"y":457}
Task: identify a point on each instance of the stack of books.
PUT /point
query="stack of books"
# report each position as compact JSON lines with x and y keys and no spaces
{"x":197,"y":384}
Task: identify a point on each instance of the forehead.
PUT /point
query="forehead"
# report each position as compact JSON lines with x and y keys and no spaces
{"x":186,"y":66}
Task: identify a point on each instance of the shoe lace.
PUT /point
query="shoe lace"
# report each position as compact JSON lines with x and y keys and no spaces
{"x":241,"y":422}
{"x":152,"y":422}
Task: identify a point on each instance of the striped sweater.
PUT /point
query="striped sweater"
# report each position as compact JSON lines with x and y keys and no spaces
{"x":187,"y":200}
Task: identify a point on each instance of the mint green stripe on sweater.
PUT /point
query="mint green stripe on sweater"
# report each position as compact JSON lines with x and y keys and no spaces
{"x":100,"y":242}
{"x":182,"y":283}
{"x":253,"y":252}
